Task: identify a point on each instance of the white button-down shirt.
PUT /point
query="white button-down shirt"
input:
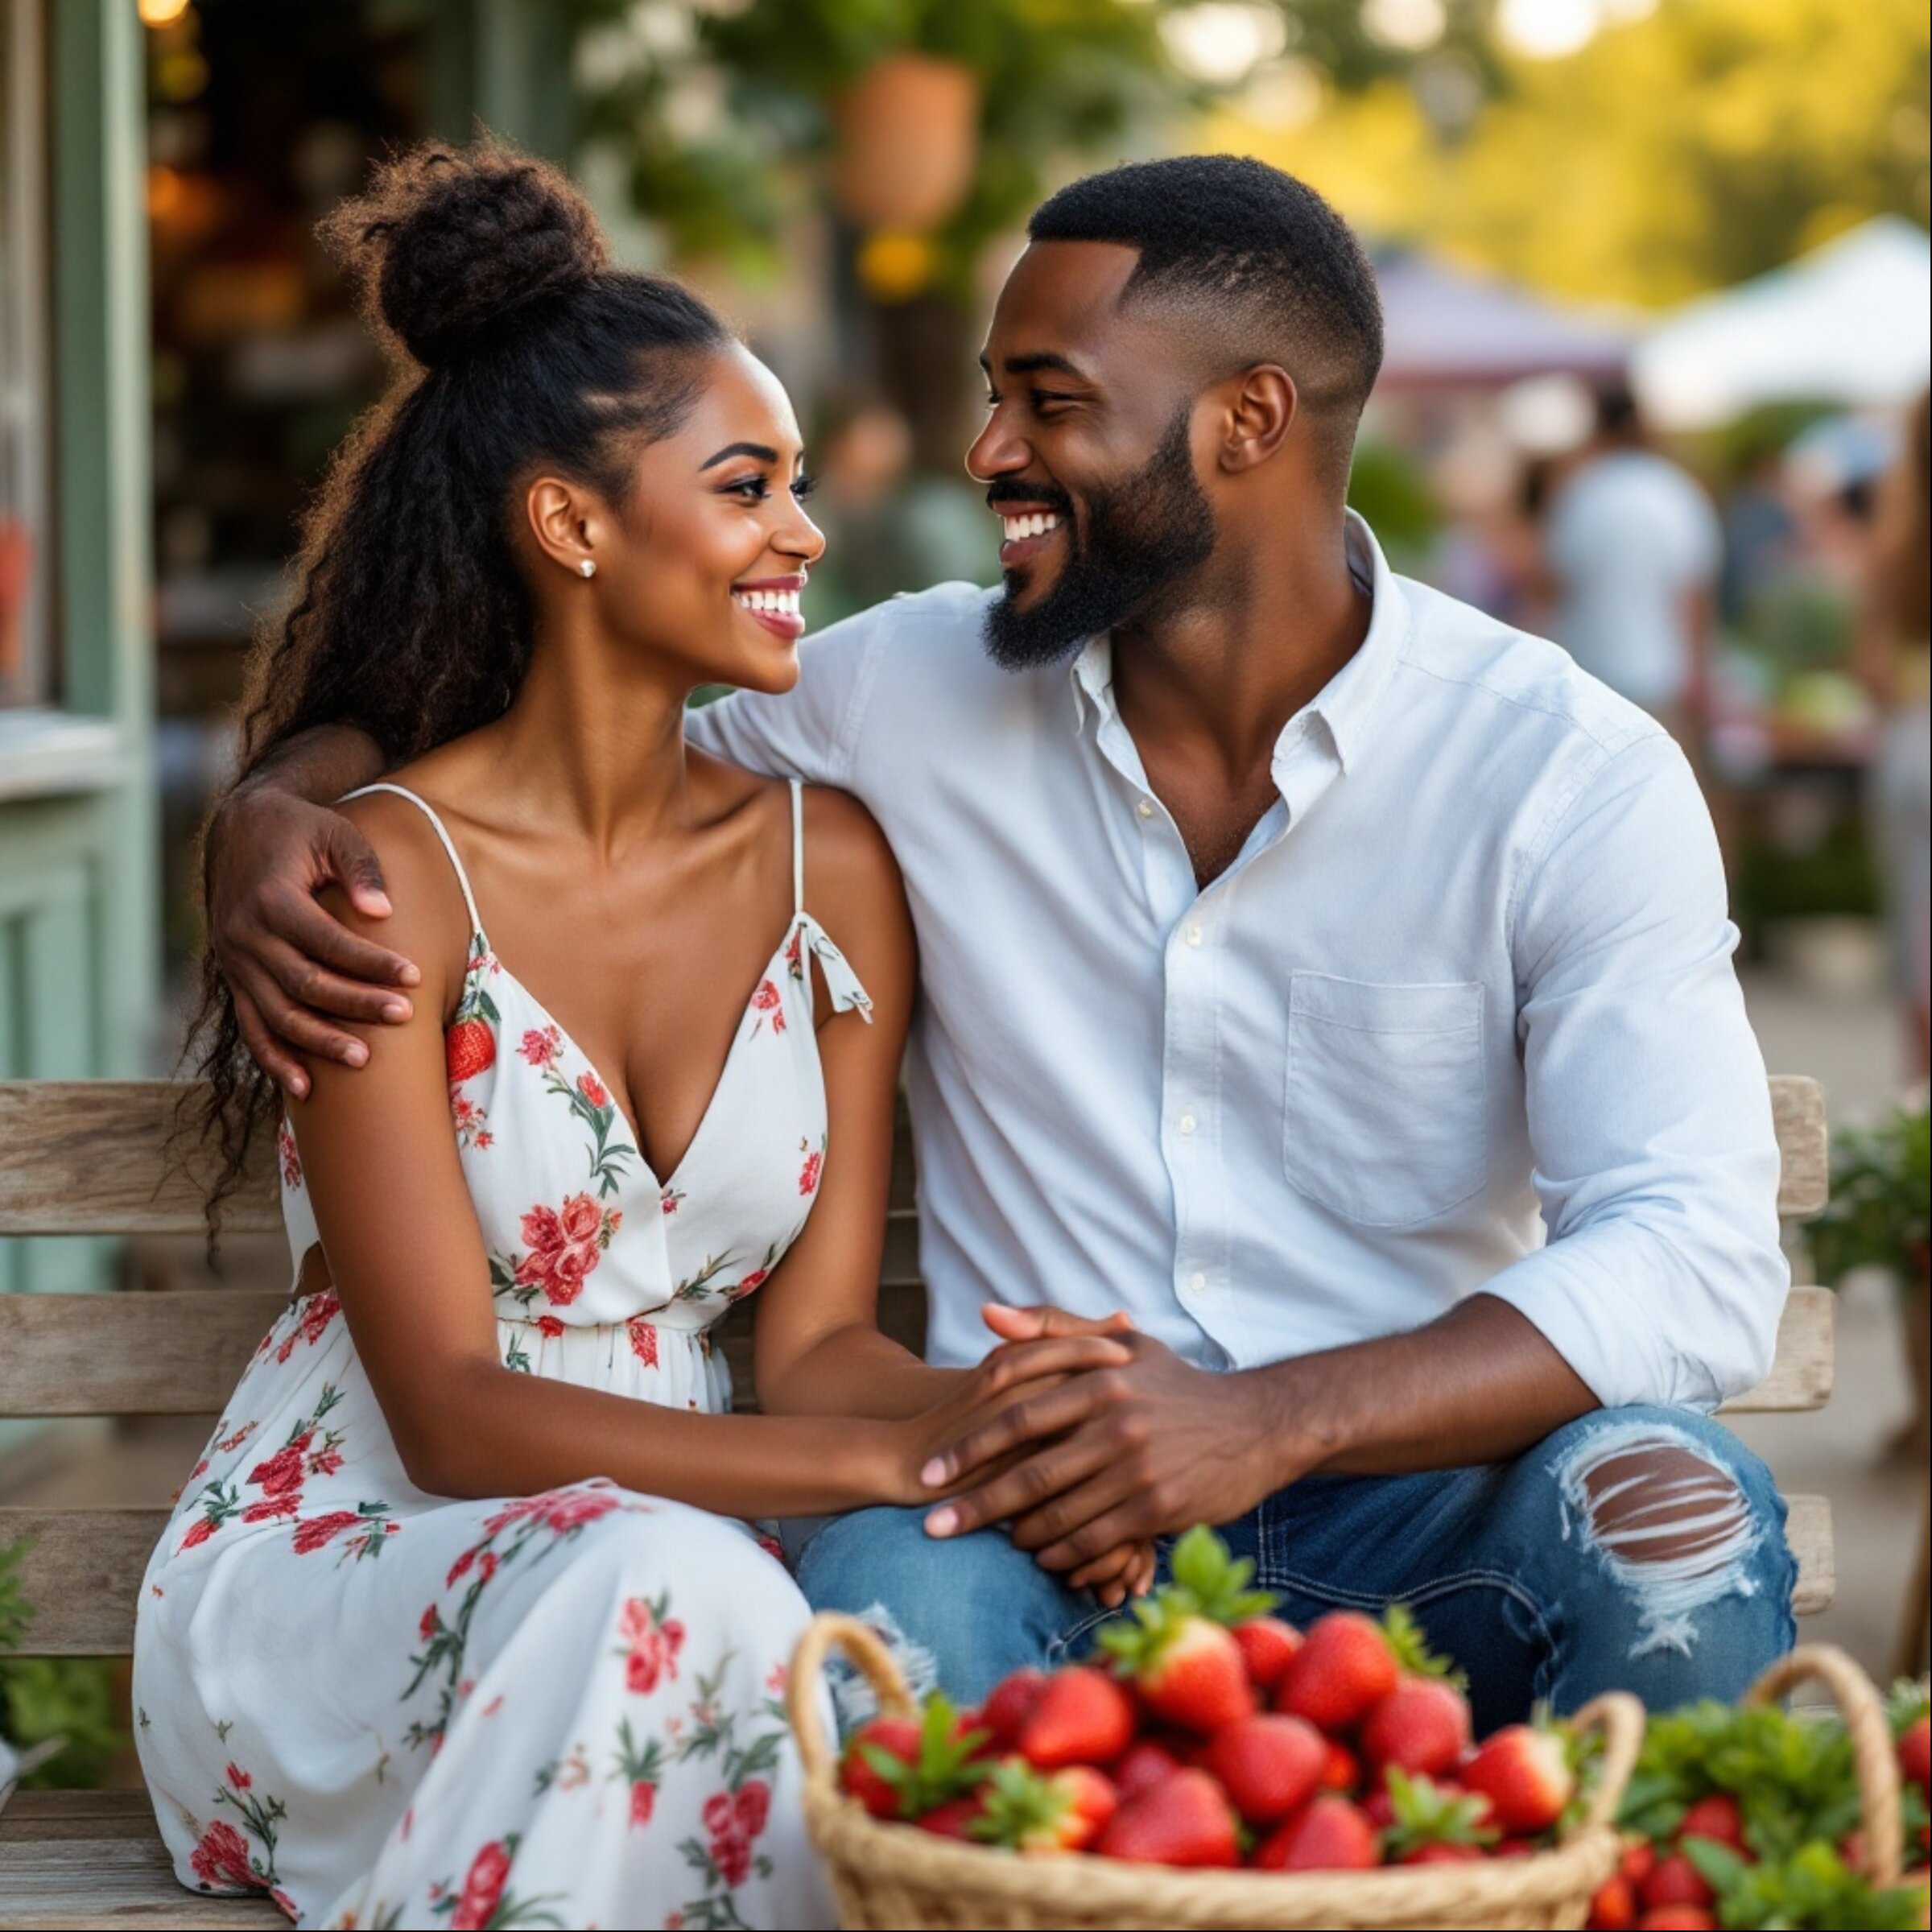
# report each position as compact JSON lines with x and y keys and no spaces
{"x":1461,"y":1015}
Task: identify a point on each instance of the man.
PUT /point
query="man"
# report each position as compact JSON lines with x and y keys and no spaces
{"x":1635,"y":549}
{"x":1297,"y":947}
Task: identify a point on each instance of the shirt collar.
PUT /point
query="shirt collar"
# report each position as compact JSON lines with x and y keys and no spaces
{"x":1346,"y":704}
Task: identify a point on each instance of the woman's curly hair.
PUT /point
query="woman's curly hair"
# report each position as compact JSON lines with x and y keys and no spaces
{"x":516,"y":345}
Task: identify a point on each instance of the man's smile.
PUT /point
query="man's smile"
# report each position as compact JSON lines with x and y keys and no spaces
{"x":1027,"y":531}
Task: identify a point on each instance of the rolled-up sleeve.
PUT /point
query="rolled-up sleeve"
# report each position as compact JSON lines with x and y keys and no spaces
{"x":1656,"y":1161}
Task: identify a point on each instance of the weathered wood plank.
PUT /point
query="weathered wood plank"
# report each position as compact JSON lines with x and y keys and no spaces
{"x":171,"y":1354}
{"x":1808,"y":1530}
{"x":95,"y":1858}
{"x":83,"y":1569}
{"x":1801,"y":1372}
{"x":1804,"y":1145}
{"x":81,"y":1572}
{"x":102,"y":1157}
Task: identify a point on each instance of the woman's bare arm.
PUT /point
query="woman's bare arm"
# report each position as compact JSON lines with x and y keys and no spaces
{"x":407,"y":1257}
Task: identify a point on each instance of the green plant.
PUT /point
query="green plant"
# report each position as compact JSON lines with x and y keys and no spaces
{"x":1880,"y":1215}
{"x":41,"y":1698}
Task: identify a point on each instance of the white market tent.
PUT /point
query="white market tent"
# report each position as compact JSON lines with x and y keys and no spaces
{"x":1447,"y":326}
{"x":1850,"y":323}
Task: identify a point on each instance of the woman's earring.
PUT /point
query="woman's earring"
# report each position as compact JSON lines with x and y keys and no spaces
{"x":587,"y":568}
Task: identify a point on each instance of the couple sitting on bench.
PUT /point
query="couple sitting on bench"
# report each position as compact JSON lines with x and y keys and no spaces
{"x":1336,"y":1114}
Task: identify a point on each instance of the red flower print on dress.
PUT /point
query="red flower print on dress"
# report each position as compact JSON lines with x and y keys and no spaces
{"x":593,"y":1089}
{"x":288,"y":1154}
{"x":752,"y":1806}
{"x":199,"y":1531}
{"x":313,"y":1532}
{"x":670,"y":1199}
{"x":541,"y":1045}
{"x":643,"y":1802}
{"x":564,"y":1244}
{"x":815,"y":1162}
{"x":468,"y":1119}
{"x":548,"y":1326}
{"x":313,"y":1314}
{"x":643,"y":1340}
{"x":236,"y":1776}
{"x":221,"y":1858}
{"x":283,"y":1470}
{"x":469,"y":1042}
{"x":288,"y":1502}
{"x":482,"y":1889}
{"x":768,"y":1003}
{"x":652,"y":1642}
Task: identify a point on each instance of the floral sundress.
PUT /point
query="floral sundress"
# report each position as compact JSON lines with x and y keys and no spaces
{"x":389,"y":1708}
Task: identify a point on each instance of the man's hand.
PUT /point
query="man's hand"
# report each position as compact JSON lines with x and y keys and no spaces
{"x":291,"y":967}
{"x":1131,"y":1452}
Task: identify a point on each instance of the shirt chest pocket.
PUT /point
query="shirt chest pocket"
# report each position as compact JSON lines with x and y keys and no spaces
{"x":1385,"y":1114}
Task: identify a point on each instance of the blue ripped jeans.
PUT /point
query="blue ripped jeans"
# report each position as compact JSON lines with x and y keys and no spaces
{"x":1635,"y":1549}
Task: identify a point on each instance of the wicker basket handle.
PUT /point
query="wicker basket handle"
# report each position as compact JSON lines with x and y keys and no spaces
{"x":826,"y":1633}
{"x":1620,"y":1718}
{"x":1872,"y":1754}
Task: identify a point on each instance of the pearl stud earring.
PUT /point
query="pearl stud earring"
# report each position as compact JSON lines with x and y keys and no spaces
{"x":587,"y":568}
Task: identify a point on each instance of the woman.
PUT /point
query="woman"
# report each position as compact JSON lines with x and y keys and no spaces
{"x":460,"y":1620}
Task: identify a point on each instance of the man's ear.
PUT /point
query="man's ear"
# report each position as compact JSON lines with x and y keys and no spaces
{"x":1260,"y":408}
{"x":566,"y":524}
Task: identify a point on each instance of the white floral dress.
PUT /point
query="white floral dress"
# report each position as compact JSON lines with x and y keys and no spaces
{"x":389,"y":1708}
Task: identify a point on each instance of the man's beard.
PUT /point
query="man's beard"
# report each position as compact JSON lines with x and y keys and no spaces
{"x":1139,"y":537}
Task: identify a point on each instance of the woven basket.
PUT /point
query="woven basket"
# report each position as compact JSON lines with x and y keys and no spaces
{"x":892,"y":1876}
{"x":1873,"y":1756}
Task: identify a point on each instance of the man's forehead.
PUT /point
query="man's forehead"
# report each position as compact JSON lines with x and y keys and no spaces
{"x":1062,"y":299}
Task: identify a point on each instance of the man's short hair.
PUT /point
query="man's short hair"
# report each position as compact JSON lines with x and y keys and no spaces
{"x":1258,"y":265}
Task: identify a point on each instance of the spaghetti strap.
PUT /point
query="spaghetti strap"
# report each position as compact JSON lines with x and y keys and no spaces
{"x":442,"y":832}
{"x":797,"y":846}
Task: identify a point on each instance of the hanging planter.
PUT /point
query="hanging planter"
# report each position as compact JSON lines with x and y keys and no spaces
{"x":908,"y":141}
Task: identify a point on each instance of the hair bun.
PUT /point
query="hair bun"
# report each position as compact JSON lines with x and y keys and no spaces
{"x":448,"y":242}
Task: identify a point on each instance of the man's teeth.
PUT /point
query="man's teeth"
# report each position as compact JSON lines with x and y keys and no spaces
{"x":1036,"y":525}
{"x":786,"y":602}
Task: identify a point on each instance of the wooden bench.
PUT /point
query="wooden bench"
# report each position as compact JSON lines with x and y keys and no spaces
{"x":89,"y":1158}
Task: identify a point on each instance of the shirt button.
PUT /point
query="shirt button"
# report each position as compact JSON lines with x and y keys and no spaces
{"x":1187,"y":1123}
{"x":1197,"y":1284}
{"x":1145,"y":808}
{"x":1195,"y":935}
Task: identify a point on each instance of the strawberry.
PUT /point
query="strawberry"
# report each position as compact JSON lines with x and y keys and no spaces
{"x":1638,"y":1862}
{"x":1526,"y":1775}
{"x":1029,"y":1810}
{"x":1185,"y":1821}
{"x":903,"y":1767}
{"x":1677,"y":1919}
{"x":1007,"y":1705}
{"x":1146,"y":1763}
{"x":1266,"y":1644}
{"x":1915,"y":1754}
{"x":1717,"y":1817}
{"x":1674,"y":1881}
{"x":1378,"y":1807}
{"x":1187,"y":1669}
{"x":1328,"y":1834}
{"x":1268,"y":1765}
{"x":1614,"y":1908}
{"x":1421,"y":1726}
{"x":897,"y":1738}
{"x":468,"y":1048}
{"x":1342,"y":1670}
{"x":1516,"y":1847}
{"x":1441,"y":1851}
{"x":955,"y":1818}
{"x":1429,"y":1813}
{"x":1081,"y":1717}
{"x":1342,"y":1772}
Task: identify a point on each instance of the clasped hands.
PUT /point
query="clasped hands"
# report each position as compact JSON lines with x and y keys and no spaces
{"x":1088,"y":1466}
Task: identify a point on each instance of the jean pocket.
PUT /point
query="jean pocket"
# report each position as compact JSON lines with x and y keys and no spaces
{"x":1385,"y":1119}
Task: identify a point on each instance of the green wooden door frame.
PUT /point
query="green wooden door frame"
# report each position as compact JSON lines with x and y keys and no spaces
{"x":103,"y":566}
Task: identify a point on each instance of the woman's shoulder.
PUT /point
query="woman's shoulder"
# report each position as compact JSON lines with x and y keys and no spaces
{"x":428,"y":912}
{"x":846,"y":854}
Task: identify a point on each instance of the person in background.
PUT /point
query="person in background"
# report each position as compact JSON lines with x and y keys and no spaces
{"x":1634,"y":548}
{"x":1896,"y":663}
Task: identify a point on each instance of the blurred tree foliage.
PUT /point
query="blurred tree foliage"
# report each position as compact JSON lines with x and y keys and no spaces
{"x":1684,"y":150}
{"x":723,"y":110}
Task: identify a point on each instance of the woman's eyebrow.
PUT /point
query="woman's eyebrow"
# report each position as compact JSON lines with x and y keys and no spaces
{"x":763,"y":452}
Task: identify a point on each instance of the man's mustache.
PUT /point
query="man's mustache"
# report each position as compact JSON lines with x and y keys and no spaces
{"x":1005,"y":492}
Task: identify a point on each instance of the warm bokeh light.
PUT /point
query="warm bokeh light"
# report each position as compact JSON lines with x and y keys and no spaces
{"x":161,"y":13}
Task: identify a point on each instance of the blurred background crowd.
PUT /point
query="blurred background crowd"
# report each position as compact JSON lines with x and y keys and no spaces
{"x":1658,"y":289}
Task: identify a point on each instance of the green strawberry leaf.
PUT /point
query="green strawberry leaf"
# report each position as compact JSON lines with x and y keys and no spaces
{"x":1428,"y":1814}
{"x":1719,"y":1866}
{"x":1019,"y":1803}
{"x":1216,"y":1584}
{"x":1407,"y":1640}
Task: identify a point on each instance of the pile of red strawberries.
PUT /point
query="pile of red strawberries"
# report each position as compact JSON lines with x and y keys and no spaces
{"x":1216,"y":1735}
